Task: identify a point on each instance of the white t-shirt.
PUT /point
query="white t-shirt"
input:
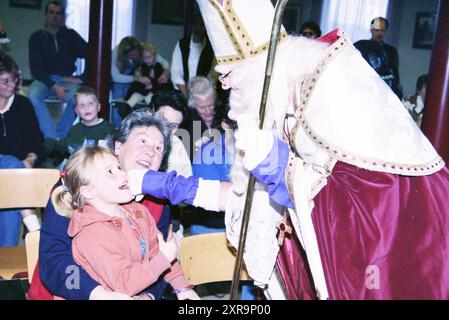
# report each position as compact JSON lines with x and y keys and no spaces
{"x":177,"y":69}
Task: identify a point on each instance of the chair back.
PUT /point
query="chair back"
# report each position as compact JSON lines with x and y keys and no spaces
{"x":32,"y":251}
{"x":26,"y":188}
{"x":207,"y":258}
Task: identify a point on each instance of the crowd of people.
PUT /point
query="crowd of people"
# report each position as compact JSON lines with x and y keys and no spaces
{"x":171,"y":141}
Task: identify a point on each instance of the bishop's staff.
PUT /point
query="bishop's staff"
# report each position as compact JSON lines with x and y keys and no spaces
{"x":274,"y":40}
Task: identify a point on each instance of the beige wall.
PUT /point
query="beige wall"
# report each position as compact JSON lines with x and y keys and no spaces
{"x":20,"y":23}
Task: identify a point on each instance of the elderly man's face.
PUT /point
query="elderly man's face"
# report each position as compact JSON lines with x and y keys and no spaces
{"x":205,"y":106}
{"x":144,"y":149}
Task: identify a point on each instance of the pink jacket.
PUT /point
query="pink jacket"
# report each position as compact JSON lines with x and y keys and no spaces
{"x":108,"y":248}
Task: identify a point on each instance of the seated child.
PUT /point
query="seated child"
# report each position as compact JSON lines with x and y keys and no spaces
{"x":91,"y":130}
{"x":116,"y":241}
{"x":153,"y":67}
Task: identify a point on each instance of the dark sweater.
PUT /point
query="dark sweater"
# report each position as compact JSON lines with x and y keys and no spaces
{"x":19,"y":131}
{"x":51,"y":54}
{"x":383,"y":58}
{"x":80,"y":132}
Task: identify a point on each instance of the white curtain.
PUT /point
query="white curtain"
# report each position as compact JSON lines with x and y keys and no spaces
{"x":353,"y":16}
{"x":77,"y":18}
{"x":77,"y":14}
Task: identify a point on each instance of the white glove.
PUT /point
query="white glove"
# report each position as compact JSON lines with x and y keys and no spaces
{"x":207,"y":195}
{"x":100,"y":293}
{"x":135,"y":180}
{"x":255,"y":143}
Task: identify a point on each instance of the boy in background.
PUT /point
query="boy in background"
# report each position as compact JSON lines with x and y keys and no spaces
{"x":90,"y":130}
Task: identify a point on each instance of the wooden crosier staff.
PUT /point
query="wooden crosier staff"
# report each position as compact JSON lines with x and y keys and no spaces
{"x":274,"y":40}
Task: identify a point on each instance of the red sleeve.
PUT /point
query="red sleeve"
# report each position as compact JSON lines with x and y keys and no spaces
{"x":154,"y":206}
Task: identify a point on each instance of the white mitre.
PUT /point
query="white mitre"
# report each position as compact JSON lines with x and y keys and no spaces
{"x":346,"y":111}
{"x":240,"y":31}
{"x":237,"y":29}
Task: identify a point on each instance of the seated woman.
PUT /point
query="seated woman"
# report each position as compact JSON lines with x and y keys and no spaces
{"x":126,"y":61}
{"x":415,"y":103}
{"x":116,"y":241}
{"x":21,"y":145}
{"x":155,"y":68}
{"x":136,"y":146}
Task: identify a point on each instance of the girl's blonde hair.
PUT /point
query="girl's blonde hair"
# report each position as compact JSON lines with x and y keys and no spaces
{"x":148,"y":46}
{"x":79,"y":167}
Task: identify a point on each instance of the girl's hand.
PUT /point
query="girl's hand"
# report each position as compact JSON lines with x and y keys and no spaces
{"x":169,"y":248}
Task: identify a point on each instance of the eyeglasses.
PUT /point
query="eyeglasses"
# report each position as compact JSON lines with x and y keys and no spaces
{"x":5,"y":82}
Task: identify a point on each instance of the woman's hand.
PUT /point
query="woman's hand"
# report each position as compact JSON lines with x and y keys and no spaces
{"x":145,"y":80}
{"x":164,"y":77}
{"x":188,"y":295}
{"x":100,"y":293}
{"x":29,"y":161}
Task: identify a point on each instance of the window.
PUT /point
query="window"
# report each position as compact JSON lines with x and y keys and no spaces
{"x":353,"y":16}
{"x":122,"y":24}
{"x":123,"y":17}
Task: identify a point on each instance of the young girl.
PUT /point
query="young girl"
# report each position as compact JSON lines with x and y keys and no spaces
{"x":116,"y":241}
{"x":152,"y":67}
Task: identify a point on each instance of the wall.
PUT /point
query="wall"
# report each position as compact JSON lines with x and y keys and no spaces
{"x":163,"y":36}
{"x":412,"y":62}
{"x":19,"y":24}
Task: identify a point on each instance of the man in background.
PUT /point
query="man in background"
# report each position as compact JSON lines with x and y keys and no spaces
{"x":192,"y":56}
{"x":53,"y":51}
{"x":382,"y":57}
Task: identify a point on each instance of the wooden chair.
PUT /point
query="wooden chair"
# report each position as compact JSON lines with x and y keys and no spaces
{"x":32,"y":251}
{"x":207,"y":258}
{"x":22,"y":188}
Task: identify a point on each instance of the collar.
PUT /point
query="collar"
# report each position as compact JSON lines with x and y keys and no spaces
{"x":90,"y":215}
{"x":48,"y":34}
{"x":8,"y":105}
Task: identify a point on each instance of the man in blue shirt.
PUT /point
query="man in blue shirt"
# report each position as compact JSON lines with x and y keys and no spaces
{"x":53,"y":51}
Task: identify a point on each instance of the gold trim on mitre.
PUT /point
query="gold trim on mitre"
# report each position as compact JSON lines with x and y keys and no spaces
{"x":240,"y":38}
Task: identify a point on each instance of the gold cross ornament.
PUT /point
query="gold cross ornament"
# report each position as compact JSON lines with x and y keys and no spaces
{"x":283,"y":229}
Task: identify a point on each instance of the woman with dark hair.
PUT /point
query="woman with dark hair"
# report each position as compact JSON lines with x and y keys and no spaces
{"x":310,"y":29}
{"x":415,"y":103}
{"x":126,"y":62}
{"x":21,"y":145}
